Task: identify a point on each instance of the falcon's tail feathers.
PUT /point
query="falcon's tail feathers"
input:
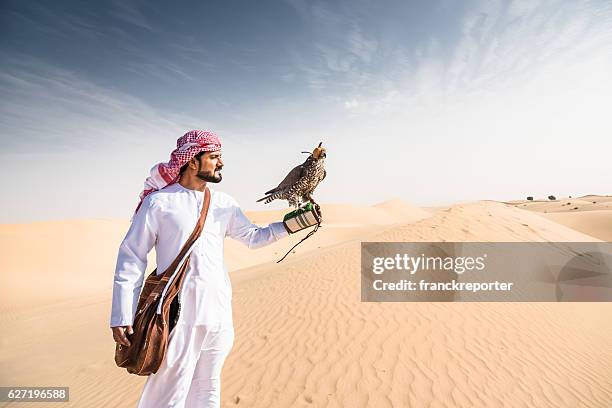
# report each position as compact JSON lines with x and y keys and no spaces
{"x":270,"y":197}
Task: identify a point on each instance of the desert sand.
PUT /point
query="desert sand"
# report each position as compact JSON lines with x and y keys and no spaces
{"x":303,"y":337}
{"x":590,"y":214}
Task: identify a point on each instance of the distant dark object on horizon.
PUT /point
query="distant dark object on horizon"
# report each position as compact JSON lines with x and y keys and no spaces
{"x":530,"y":198}
{"x":552,"y":197}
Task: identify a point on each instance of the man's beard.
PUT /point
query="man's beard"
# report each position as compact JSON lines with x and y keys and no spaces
{"x":212,"y":178}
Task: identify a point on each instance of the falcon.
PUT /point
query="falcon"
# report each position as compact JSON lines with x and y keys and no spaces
{"x":300,"y":183}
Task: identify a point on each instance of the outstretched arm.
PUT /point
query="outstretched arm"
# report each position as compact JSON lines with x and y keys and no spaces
{"x":242,"y":229}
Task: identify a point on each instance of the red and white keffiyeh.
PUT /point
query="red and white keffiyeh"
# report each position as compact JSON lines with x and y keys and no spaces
{"x":187,"y":146}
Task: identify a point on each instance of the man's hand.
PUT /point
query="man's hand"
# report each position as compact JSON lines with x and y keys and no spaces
{"x":119,"y":334}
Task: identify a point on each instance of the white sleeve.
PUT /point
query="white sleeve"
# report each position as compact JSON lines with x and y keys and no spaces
{"x":131,"y":265}
{"x":242,"y":229}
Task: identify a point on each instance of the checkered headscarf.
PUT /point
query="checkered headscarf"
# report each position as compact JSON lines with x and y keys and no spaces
{"x":187,"y":146}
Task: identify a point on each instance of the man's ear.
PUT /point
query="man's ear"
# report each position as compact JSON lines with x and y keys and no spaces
{"x":198,"y":163}
{"x":193,"y":164}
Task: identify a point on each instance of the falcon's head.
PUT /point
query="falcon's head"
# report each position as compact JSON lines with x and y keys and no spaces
{"x":319,"y":153}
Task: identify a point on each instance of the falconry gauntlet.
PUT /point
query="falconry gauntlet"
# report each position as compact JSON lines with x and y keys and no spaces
{"x":304,"y":217}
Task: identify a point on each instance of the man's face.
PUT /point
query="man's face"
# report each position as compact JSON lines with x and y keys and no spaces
{"x":209,"y":167}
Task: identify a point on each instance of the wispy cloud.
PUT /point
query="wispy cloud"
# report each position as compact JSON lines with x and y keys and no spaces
{"x":159,"y":68}
{"x":506,"y":47}
{"x":189,"y":49}
{"x":341,"y":49}
{"x":131,"y":14}
{"x":47,"y":107}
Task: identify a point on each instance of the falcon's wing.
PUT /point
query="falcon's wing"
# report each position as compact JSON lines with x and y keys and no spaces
{"x":291,"y":178}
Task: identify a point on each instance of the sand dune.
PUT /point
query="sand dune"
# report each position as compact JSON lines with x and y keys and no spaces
{"x":388,"y":212}
{"x":597,"y":223}
{"x":341,"y":223}
{"x":42,"y":256}
{"x":589,"y":214}
{"x":584,"y":203}
{"x":44,"y":262}
{"x":402,"y":211}
{"x":303,"y":338}
{"x":485,"y":221}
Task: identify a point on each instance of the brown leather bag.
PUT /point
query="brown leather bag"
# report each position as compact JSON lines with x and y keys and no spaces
{"x":149,"y":341}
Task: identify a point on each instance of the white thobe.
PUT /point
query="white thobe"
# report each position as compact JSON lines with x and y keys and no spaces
{"x":190,"y":374}
{"x":165,"y":220}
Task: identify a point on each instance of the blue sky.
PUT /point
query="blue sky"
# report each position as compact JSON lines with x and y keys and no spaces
{"x":432,"y":102}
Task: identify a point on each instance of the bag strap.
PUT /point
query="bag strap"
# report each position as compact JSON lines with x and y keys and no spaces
{"x":197,"y":231}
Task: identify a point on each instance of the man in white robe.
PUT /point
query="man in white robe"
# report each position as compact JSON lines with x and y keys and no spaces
{"x":203,"y":336}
